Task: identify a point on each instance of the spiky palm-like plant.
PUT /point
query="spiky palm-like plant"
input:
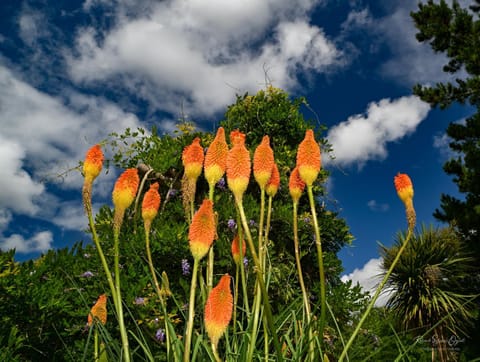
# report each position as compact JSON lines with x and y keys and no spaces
{"x":427,"y":286}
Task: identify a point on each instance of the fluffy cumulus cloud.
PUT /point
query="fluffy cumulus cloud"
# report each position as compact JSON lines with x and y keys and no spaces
{"x":40,"y":242}
{"x":364,"y":137}
{"x":369,"y":276}
{"x":42,"y":136}
{"x":201,"y":54}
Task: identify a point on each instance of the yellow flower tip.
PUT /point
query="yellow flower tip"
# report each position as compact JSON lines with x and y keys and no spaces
{"x":296,"y":185}
{"x":99,"y":310}
{"x":218,"y":309}
{"x":192,"y":158}
{"x":216,"y":158}
{"x":263,"y":162}
{"x":151,"y":203}
{"x":93,"y":163}
{"x":404,"y":187}
{"x":202,"y":230}
{"x":236,"y":249}
{"x":238,"y":165}
{"x":274,"y":182}
{"x":309,"y":158}
{"x":125,"y":189}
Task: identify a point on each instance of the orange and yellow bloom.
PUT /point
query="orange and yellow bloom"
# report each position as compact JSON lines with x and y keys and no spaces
{"x":296,"y":185}
{"x":93,"y":163}
{"x":263,"y":162}
{"x":192,"y":158}
{"x":124,"y":193}
{"x":238,"y":165}
{"x":403,"y":185}
{"x":202,"y":230}
{"x":236,"y":249}
{"x":99,"y":311}
{"x":218,"y":309}
{"x":150,"y":205}
{"x":216,"y":158}
{"x":308,"y":158}
{"x":274,"y":182}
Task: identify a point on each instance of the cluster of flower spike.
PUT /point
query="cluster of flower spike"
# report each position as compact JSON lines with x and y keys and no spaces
{"x":217,"y":161}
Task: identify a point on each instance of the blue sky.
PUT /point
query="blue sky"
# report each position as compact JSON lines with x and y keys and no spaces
{"x":73,"y":71}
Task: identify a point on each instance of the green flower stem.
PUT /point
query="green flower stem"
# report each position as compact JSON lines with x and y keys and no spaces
{"x":306,"y":303}
{"x":191,"y":312}
{"x":157,"y":287}
{"x":242,"y":266}
{"x":258,"y":270}
{"x":318,"y":243}
{"x":116,"y":269}
{"x":95,"y":343}
{"x":211,"y":253}
{"x":261,"y":246}
{"x":269,"y":218}
{"x":235,"y":298}
{"x":215,"y":353}
{"x":376,"y":295}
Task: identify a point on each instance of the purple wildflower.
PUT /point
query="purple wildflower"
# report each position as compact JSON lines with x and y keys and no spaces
{"x":221,"y":184}
{"x":171,"y":193}
{"x":185,"y":267}
{"x":252,"y":222}
{"x":160,"y":335}
{"x":231,"y":224}
{"x":245,"y":262}
{"x":139,"y":301}
{"x":87,"y":274}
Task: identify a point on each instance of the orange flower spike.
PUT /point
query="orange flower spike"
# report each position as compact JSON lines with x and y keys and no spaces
{"x":404,"y":187}
{"x":238,"y":165}
{"x":216,"y":158}
{"x":218,"y":309}
{"x":202,"y":230}
{"x":296,"y":185}
{"x":125,"y":189}
{"x":274,"y":183}
{"x":308,"y":158}
{"x":192,"y":158}
{"x":263,"y":162}
{"x":99,"y":310}
{"x":236,"y":249}
{"x":150,"y":205}
{"x":93,"y":163}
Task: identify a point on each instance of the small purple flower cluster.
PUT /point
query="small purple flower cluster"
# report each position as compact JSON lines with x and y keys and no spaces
{"x":185,"y":267}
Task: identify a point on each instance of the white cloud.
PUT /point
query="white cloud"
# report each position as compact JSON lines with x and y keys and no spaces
{"x":364,"y":137}
{"x":369,"y":276}
{"x":377,"y":207}
{"x":42,"y":136}
{"x":201,"y":54}
{"x":40,"y":242}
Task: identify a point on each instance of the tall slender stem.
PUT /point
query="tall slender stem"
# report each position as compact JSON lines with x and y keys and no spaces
{"x":241,"y":240}
{"x":211,"y":253}
{"x":259,"y":272}
{"x":318,"y":243}
{"x":376,"y":295}
{"x":116,"y":270}
{"x":157,"y":288}
{"x":191,"y":312}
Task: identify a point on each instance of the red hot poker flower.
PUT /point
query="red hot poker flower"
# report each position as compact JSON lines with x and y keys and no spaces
{"x":192,"y":158}
{"x":202,"y":230}
{"x":263,"y":162}
{"x":296,"y":185}
{"x":125,"y":189}
{"x":150,"y":205}
{"x":238,"y":165}
{"x":274,"y":183}
{"x":93,"y":163}
{"x":99,"y":310}
{"x":218,"y":309}
{"x":404,"y":187}
{"x":308,"y":158}
{"x":123,"y":194}
{"x":236,"y":249}
{"x":216,"y":158}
